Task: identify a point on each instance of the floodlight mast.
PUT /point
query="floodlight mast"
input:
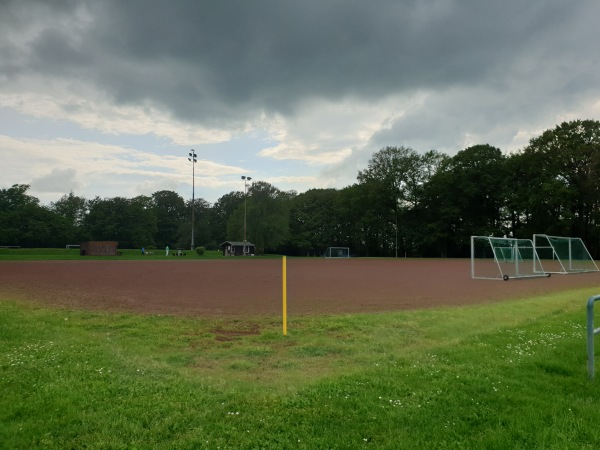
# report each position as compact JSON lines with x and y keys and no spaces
{"x":245,"y":178}
{"x":193,"y":160}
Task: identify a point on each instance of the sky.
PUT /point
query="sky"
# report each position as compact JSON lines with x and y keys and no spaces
{"x":106,"y":98}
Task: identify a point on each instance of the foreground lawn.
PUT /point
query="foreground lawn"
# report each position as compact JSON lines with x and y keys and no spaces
{"x":510,"y":375}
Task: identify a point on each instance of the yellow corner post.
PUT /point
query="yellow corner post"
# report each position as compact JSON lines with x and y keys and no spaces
{"x":284,"y":286}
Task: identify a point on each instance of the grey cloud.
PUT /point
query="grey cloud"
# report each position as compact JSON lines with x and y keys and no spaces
{"x":217,"y":62}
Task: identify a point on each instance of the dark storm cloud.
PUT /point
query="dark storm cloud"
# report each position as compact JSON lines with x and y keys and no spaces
{"x":215,"y":61}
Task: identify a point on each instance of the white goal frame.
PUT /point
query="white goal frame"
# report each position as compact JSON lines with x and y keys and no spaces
{"x":337,"y":252}
{"x":494,"y":258}
{"x":564,"y":255}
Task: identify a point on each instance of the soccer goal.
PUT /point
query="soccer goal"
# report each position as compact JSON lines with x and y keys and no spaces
{"x":337,"y":252}
{"x":563,"y":254}
{"x":495,"y":258}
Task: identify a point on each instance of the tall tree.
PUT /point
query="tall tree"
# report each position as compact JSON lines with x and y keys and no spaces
{"x":171,"y":212}
{"x":466,"y":197}
{"x":314,"y":221}
{"x":397,"y":176}
{"x":266,"y":214}
{"x":202,"y":217}
{"x":564,"y":178}
{"x":538,"y":200}
{"x":16,"y":197}
{"x":24,"y":222}
{"x":364,"y":224}
{"x":221,"y":212}
{"x":73,"y":210}
{"x":131,"y":222}
{"x":142,"y":222}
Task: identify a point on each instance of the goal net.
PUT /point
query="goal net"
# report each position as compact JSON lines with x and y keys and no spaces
{"x":563,"y":254}
{"x":337,"y":252}
{"x":495,"y":258}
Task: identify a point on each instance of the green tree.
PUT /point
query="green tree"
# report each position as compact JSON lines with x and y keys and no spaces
{"x":16,"y":197}
{"x":221,"y":212}
{"x":171,"y":212}
{"x":267,"y":217}
{"x":396,"y":176}
{"x":142,"y":222}
{"x":465,"y":197}
{"x":202,"y":213}
{"x":539,"y":200}
{"x":364,"y":224}
{"x":24,"y":222}
{"x":562,"y":183}
{"x":314,"y":221}
{"x":73,"y":210}
{"x":131,"y":222}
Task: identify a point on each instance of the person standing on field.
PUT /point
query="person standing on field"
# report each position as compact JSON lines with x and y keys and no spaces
{"x":167,"y":250}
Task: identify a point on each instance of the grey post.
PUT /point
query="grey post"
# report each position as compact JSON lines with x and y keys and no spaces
{"x":590,"y":333}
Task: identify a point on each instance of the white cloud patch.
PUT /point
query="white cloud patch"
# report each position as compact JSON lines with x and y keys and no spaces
{"x":57,"y":181}
{"x":93,"y":112}
{"x":64,"y":165}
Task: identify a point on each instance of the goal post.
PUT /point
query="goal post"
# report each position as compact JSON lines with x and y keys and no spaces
{"x":494,"y":258}
{"x":564,"y":255}
{"x":337,"y":252}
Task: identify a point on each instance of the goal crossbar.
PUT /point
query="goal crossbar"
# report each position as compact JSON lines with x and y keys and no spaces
{"x":337,"y":252}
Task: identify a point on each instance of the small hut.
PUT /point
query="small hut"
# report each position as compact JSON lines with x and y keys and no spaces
{"x":99,"y":248}
{"x":233,"y":248}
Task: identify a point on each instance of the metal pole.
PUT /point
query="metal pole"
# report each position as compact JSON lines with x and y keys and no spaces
{"x":245,"y":178}
{"x":590,"y":334}
{"x":193,"y":200}
{"x":192,"y":158}
{"x":396,"y":231}
{"x":570,"y":255}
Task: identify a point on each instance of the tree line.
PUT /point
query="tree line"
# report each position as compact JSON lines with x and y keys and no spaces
{"x":404,"y":203}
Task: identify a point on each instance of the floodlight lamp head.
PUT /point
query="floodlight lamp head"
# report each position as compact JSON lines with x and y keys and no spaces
{"x":249,"y":178}
{"x":243,"y":177}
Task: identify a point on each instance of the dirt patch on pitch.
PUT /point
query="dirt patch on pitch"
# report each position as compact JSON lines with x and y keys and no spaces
{"x":250,"y":286}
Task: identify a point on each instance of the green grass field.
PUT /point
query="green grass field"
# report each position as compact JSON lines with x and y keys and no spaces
{"x":16,"y":254}
{"x":507,"y":375}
